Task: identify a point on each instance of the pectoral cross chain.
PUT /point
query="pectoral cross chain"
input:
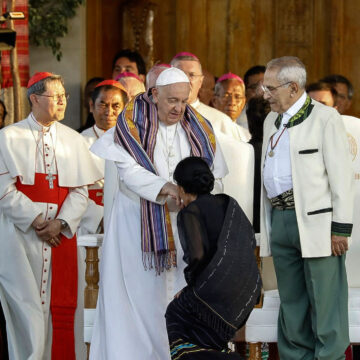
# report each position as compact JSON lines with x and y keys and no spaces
{"x":50,"y":178}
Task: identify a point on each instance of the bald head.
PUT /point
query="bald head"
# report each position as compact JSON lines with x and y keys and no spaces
{"x":153,"y":74}
{"x":133,"y":86}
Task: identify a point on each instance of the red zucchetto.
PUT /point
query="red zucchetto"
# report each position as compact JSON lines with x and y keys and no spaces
{"x":111,"y":83}
{"x":37,"y":77}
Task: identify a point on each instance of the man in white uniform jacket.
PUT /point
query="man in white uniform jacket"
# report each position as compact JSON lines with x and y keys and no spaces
{"x":306,"y":214}
{"x":107,"y":101}
{"x":45,"y":168}
{"x":141,"y":246}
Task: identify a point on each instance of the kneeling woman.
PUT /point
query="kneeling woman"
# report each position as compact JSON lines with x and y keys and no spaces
{"x":222,"y":275}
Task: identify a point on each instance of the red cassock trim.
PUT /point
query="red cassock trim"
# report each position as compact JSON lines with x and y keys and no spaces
{"x":64,"y":272}
{"x":97,"y":196}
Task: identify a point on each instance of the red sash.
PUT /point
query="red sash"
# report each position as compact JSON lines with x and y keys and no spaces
{"x":97,"y":196}
{"x":64,"y":272}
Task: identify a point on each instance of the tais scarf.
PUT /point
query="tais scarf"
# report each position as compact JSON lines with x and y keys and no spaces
{"x":136,"y":131}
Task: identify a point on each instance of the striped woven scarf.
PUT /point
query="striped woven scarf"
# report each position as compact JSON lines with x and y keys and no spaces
{"x":136,"y":131}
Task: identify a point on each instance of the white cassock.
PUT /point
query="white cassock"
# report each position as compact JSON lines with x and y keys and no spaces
{"x":221,"y":122}
{"x":239,"y":156}
{"x":242,"y":119}
{"x":130,"y":322}
{"x":94,"y":213}
{"x":239,"y":182}
{"x":27,"y":148}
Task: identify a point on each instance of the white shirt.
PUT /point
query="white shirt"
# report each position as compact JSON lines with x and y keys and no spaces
{"x":277,"y":169}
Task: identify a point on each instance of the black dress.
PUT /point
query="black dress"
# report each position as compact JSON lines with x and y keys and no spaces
{"x":222,"y":277}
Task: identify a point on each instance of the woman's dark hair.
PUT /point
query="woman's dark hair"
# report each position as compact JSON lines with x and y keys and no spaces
{"x":194,"y":176}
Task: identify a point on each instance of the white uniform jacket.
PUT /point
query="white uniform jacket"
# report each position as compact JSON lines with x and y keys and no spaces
{"x":322,"y":181}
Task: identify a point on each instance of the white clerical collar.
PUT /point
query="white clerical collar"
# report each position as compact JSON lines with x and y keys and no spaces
{"x":196,"y":103}
{"x":296,"y":106}
{"x":169,"y":128}
{"x":35,"y":125}
{"x":98,"y":132}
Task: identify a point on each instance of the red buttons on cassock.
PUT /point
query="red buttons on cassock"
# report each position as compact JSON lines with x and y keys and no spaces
{"x":43,"y":302}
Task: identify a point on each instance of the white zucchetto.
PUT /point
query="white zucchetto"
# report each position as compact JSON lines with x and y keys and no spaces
{"x":171,"y":75}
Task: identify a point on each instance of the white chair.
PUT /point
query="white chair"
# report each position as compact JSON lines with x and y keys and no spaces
{"x":262,"y":323}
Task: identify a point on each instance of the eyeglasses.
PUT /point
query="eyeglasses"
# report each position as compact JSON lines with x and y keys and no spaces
{"x":193,"y":76}
{"x":270,"y":89}
{"x":57,"y":98}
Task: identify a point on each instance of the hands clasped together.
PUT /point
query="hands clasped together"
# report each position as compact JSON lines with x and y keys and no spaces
{"x":48,"y":230}
{"x":172,"y":190}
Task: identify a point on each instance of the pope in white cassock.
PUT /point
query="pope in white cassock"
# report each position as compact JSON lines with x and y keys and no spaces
{"x":142,"y":265}
{"x":45,"y":168}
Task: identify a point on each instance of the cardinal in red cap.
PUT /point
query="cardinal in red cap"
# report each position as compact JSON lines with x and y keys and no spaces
{"x":45,"y":172}
{"x":107,"y":101}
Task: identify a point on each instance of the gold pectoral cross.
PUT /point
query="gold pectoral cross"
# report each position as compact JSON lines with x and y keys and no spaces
{"x":50,"y":178}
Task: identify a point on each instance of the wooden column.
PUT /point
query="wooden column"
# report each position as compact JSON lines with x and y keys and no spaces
{"x":255,"y":351}
{"x":91,"y":291}
{"x":15,"y":70}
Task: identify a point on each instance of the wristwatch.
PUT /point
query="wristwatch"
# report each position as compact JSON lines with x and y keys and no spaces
{"x":64,"y":224}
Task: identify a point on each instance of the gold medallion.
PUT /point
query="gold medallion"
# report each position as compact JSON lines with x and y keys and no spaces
{"x":271,"y":153}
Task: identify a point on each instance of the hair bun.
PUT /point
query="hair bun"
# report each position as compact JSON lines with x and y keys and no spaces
{"x":194,"y":175}
{"x":203,"y":182}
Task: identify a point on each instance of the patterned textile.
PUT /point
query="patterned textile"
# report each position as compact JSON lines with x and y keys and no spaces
{"x":136,"y":131}
{"x":284,"y":201}
{"x":22,"y":46}
{"x":180,"y":349}
{"x":299,"y":117}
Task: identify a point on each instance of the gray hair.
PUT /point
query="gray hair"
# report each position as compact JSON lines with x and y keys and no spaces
{"x":40,"y":86}
{"x":290,"y":68}
{"x":218,"y":86}
{"x":174,"y":61}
